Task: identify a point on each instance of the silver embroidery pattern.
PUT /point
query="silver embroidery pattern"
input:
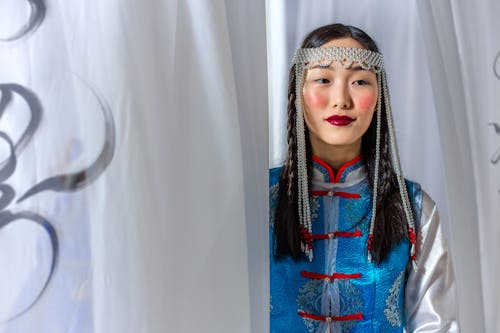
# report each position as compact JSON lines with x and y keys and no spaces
{"x":392,"y":310}
{"x":309,"y":300}
{"x":357,"y":209}
{"x":311,"y":325}
{"x":351,"y":301}
{"x":314,"y":202}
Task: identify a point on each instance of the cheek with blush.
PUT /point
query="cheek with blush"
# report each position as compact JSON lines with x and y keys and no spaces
{"x":367,"y":101}
{"x":315,"y":99}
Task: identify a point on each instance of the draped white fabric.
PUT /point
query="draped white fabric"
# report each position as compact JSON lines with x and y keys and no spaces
{"x":443,"y":64}
{"x":464,"y":49}
{"x":163,"y":107}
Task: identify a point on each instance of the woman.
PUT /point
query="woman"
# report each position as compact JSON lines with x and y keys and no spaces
{"x":355,"y":247}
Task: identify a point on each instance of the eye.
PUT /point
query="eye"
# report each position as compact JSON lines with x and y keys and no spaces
{"x":360,"y":82}
{"x":322,"y":80}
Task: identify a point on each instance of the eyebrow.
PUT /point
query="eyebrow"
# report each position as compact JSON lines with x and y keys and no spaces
{"x":354,"y":68}
{"x":357,"y":68}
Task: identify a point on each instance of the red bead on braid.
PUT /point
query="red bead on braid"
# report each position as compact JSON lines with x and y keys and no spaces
{"x":411,"y":235}
{"x":370,"y":238}
{"x":413,"y":239}
{"x":306,"y":237}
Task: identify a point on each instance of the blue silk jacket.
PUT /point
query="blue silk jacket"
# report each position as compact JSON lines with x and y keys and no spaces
{"x":341,"y":290}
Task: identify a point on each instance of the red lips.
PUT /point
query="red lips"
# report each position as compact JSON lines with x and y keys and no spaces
{"x":339,"y":120}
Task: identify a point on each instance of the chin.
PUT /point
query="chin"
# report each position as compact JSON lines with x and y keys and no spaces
{"x":339,"y":142}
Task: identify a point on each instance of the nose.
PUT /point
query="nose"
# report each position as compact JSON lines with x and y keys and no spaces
{"x":340,"y":97}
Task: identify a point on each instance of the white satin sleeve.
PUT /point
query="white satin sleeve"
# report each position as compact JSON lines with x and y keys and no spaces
{"x":430,"y":294}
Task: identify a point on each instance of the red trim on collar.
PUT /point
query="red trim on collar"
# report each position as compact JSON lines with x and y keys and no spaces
{"x":345,"y":166}
{"x":331,"y":173}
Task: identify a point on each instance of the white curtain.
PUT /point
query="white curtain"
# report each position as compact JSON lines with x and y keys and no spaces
{"x":443,"y":64}
{"x":153,"y":117}
{"x":463,"y":49}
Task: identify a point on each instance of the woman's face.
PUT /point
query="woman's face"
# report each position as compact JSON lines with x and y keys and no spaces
{"x":339,"y":103}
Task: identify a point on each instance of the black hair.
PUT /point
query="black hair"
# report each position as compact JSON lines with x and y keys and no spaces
{"x":390,"y":223}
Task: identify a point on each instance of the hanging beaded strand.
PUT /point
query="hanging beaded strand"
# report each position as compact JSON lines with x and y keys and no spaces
{"x":368,"y":60}
{"x":303,"y":186}
{"x":397,"y":168}
{"x":377,"y":163}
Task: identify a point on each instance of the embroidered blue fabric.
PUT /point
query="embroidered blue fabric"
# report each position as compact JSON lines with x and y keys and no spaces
{"x":377,"y":294}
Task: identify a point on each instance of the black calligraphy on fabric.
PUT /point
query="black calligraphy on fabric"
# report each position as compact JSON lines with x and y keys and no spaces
{"x":38,"y":9}
{"x":495,"y":157}
{"x":59,"y":183}
{"x":496,"y":66}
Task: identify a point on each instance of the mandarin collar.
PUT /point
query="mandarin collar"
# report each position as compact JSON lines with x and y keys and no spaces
{"x":324,"y":173}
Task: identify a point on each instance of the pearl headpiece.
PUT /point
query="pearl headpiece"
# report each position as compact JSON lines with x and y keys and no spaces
{"x":368,"y":60}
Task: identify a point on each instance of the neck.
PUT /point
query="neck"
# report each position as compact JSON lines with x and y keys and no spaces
{"x":335,"y":156}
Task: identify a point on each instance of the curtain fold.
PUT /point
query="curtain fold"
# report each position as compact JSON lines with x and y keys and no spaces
{"x":438,"y":26}
{"x":462,"y":48}
{"x":247,"y":35}
{"x":155,"y":114}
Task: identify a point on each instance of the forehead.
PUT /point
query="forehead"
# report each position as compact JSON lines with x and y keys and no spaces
{"x":344,"y":42}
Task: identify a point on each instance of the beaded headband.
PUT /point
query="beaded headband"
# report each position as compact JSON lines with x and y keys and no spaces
{"x":368,"y":60}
